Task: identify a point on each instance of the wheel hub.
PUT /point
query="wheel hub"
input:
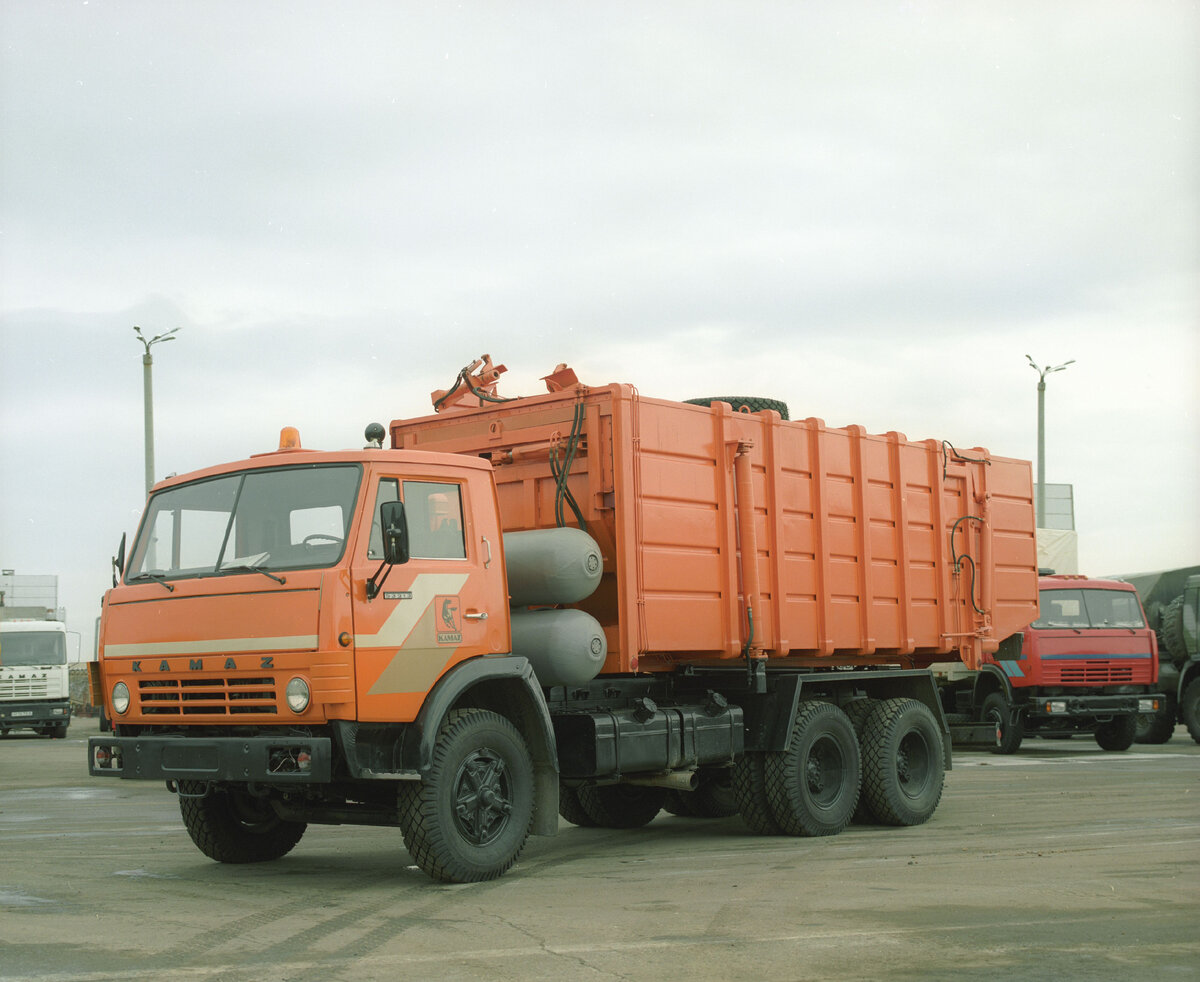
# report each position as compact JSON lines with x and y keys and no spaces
{"x":482,"y":797}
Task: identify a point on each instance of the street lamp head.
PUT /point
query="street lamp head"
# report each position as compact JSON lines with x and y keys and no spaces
{"x":166,"y":336}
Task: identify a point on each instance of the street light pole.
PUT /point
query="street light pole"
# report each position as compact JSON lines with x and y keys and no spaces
{"x":1040,"y":514}
{"x":148,"y":397}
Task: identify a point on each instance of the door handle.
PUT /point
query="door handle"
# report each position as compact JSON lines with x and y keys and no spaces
{"x":476,"y":617}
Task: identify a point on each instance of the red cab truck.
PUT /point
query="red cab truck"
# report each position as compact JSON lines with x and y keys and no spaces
{"x":582,"y":603}
{"x":1088,"y":664}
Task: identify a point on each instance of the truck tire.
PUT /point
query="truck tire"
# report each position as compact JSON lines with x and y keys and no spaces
{"x":813,"y":785}
{"x":1189,"y":708}
{"x":857,"y":711}
{"x":621,"y":806}
{"x":233,"y":826}
{"x":714,"y":798}
{"x":469,"y":818}
{"x":680,"y":803}
{"x":1170,"y":634}
{"x":997,"y":710}
{"x":1117,"y":734}
{"x":570,"y":808}
{"x":904,"y":769}
{"x":750,"y":792}
{"x":750,"y":404}
{"x":1157,"y":727}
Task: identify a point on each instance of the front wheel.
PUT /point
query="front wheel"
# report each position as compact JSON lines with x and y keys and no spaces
{"x":996,"y":710}
{"x":1117,"y":734}
{"x":1157,"y":727}
{"x":233,"y":826}
{"x":469,"y":818}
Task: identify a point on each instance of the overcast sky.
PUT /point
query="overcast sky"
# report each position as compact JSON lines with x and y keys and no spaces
{"x":873,"y":211}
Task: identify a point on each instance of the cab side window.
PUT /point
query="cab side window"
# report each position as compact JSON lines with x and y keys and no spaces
{"x":434,"y":514}
{"x":435,"y":520}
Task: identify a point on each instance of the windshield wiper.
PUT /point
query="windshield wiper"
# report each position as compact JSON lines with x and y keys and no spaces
{"x":156,"y":577}
{"x":248,"y":568}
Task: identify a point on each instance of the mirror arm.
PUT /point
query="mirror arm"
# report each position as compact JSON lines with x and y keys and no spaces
{"x":373,"y":587}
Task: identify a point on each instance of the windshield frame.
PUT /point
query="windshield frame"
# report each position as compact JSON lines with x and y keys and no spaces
{"x":1088,"y":611}
{"x":228,"y":562}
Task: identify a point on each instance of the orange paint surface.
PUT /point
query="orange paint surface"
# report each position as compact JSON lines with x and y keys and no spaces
{"x":855,"y":558}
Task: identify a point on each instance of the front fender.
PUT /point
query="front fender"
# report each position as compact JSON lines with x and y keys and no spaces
{"x":507,"y":685}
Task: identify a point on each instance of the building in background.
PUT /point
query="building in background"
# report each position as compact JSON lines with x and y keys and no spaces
{"x":30,"y":596}
{"x":1057,"y":540}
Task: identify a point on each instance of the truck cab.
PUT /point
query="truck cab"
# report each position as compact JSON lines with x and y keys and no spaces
{"x":1088,"y":664}
{"x":35,"y":691}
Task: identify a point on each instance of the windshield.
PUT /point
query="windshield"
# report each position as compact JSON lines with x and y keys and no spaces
{"x":284,"y":518}
{"x":29,"y":648}
{"x":1081,"y":609}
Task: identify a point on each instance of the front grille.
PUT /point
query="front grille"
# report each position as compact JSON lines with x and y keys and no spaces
{"x":207,"y":697}
{"x":24,"y":689}
{"x":1091,"y":673}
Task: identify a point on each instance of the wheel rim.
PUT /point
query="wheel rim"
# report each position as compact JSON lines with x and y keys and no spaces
{"x":483,"y":797}
{"x":995,"y":716}
{"x":914,"y":764}
{"x":824,"y":772}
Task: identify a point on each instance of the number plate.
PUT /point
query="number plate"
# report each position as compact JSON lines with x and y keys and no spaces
{"x":23,"y":712}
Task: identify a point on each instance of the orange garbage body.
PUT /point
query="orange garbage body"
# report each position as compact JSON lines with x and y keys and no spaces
{"x":869,"y":550}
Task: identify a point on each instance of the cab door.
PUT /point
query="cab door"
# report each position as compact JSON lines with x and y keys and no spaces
{"x":446,"y":604}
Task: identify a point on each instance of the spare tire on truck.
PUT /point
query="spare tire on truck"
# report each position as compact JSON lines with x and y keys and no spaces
{"x":744,"y":404}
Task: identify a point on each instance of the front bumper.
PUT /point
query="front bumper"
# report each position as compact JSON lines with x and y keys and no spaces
{"x":285,"y":759}
{"x":1092,"y":706}
{"x":18,"y":714}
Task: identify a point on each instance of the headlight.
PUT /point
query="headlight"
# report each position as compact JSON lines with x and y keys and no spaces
{"x":1056,"y":707}
{"x":1147,"y":705}
{"x":120,"y":698}
{"x":297,"y":695}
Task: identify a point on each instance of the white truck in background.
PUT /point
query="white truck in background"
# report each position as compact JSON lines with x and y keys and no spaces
{"x":35,"y":686}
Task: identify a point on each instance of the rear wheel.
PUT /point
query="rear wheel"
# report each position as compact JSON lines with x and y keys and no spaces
{"x":570,"y":808}
{"x":750,"y":792}
{"x":903,"y":762}
{"x":857,"y":712}
{"x":621,"y":806}
{"x":1117,"y":734}
{"x":997,"y":710}
{"x":469,"y":818}
{"x":679,"y":803}
{"x":233,"y":826}
{"x":813,"y":785}
{"x":715,"y":798}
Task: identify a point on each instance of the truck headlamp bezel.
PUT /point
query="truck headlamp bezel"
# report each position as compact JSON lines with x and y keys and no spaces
{"x":120,"y":698}
{"x":298,"y":695}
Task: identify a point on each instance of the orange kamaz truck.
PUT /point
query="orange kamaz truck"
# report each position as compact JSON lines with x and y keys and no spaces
{"x":584,"y":603}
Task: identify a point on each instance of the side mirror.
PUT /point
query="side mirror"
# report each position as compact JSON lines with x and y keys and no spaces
{"x":395,"y":532}
{"x":119,"y":560}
